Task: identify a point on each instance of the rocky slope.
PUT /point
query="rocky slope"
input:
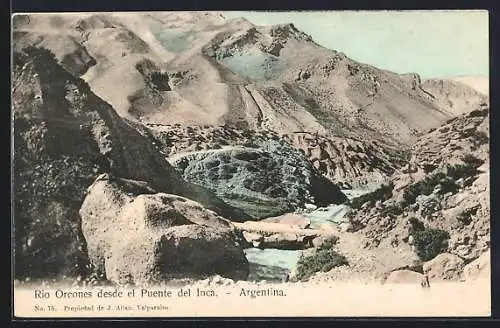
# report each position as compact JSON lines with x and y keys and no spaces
{"x":479,"y":83}
{"x":236,"y":175}
{"x":64,"y":136}
{"x":457,"y":96}
{"x":433,"y":217}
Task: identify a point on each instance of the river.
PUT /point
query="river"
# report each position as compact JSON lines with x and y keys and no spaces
{"x":272,"y":264}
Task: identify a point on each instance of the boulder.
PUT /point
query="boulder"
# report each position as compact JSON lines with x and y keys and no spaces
{"x":428,"y":205}
{"x":293,"y":220}
{"x":445,"y":266}
{"x":252,"y":238}
{"x":191,"y":251}
{"x":318,"y":241}
{"x":136,"y":235}
{"x":310,"y":207}
{"x":404,"y":277}
{"x":346,"y":227}
{"x":479,"y":268}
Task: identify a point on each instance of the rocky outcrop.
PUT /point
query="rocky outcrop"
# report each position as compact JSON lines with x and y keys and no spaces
{"x":479,"y":268}
{"x":404,"y":277}
{"x":135,"y":235}
{"x":73,"y":56}
{"x":353,"y":163}
{"x":253,"y":239}
{"x":444,"y":267}
{"x":266,"y":181}
{"x":466,"y":134}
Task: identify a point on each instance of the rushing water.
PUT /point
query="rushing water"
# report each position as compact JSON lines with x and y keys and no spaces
{"x":272,"y":264}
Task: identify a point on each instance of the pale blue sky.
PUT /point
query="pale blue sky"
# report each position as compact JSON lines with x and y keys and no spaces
{"x":433,"y":44}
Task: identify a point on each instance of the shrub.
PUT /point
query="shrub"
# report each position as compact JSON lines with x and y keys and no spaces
{"x":323,"y":260}
{"x":480,"y":138}
{"x":465,"y":217}
{"x":472,"y":160}
{"x":430,"y":242}
{"x":415,"y":225}
{"x":461,"y":171}
{"x":329,"y":243}
{"x":428,"y":168}
{"x":422,"y":187}
{"x":445,"y":179}
{"x":448,"y":185}
{"x":479,"y":112}
{"x":395,"y":210}
{"x":383,"y":193}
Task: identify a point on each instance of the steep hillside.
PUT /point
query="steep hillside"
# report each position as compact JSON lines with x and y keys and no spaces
{"x":479,"y":83}
{"x":200,"y":68}
{"x":434,"y":215}
{"x":456,"y":96}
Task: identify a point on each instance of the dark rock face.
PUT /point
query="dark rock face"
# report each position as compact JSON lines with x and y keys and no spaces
{"x":353,"y":163}
{"x":136,"y":236}
{"x":266,"y":181}
{"x":64,"y":137}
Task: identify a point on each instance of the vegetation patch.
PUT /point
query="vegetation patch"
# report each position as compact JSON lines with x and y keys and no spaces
{"x":329,"y":243}
{"x":159,"y":81}
{"x":430,"y":242}
{"x":472,"y":160}
{"x":323,"y":260}
{"x":392,"y":210}
{"x":479,"y":113}
{"x":465,"y":217}
{"x":447,"y":180}
{"x":383,"y":193}
{"x":480,"y":138}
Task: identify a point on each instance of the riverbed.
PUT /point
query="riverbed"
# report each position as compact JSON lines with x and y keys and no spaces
{"x":272,"y":265}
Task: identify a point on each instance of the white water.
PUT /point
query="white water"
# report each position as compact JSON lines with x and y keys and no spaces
{"x":270,"y":264}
